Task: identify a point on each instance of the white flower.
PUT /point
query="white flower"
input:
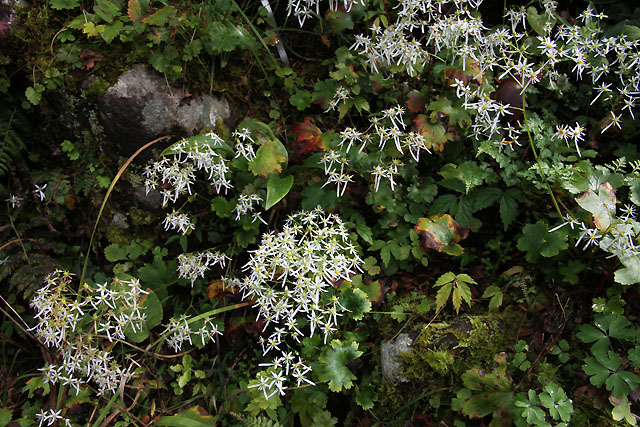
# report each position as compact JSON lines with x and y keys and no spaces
{"x":14,"y":200}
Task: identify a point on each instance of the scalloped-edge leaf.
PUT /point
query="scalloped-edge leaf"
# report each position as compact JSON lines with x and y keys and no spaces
{"x":333,"y":364}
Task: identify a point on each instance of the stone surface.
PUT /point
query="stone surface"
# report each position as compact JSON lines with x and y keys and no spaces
{"x":390,"y":361}
{"x":141,"y":107}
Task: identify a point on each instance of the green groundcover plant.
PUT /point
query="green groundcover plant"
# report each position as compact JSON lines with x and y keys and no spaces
{"x":426,"y":212}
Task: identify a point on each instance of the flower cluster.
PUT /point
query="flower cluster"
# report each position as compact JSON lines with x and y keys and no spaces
{"x":245,"y":206}
{"x":195,"y":265}
{"x":50,"y":417}
{"x":517,"y":54}
{"x":74,"y":326}
{"x":179,"y":172}
{"x":179,"y":221}
{"x":303,"y":9}
{"x":179,"y":330}
{"x":291,"y":278}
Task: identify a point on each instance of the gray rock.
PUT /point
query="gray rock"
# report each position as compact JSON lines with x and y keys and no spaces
{"x":120,"y":220}
{"x":141,"y":107}
{"x":390,"y":361}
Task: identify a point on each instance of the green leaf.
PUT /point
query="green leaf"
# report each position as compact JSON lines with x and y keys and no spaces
{"x":537,"y":21}
{"x":269,"y":158}
{"x":537,"y":240}
{"x":153,"y":309}
{"x":366,"y":396}
{"x":91,"y":29}
{"x":333,"y":363}
{"x":161,"y":59}
{"x":622,"y":410}
{"x":301,"y":100}
{"x":356,"y":302}
{"x":111,"y":31}
{"x":630,"y":274}
{"x":508,"y":210}
{"x":602,"y":205}
{"x":461,"y":292}
{"x":457,"y":115}
{"x":161,"y":16}
{"x":485,"y":197}
{"x":64,"y":4}
{"x":370,"y":266}
{"x":620,"y":383}
{"x":495,"y":293}
{"x":34,"y":93}
{"x":277,"y":188}
{"x":192,"y":417}
{"x":598,"y":372}
{"x":116,"y":252}
{"x":106,"y":10}
{"x":5,"y":416}
{"x":443,"y":295}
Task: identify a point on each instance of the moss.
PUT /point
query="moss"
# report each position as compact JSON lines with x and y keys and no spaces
{"x":441,"y":353}
{"x":97,"y":88}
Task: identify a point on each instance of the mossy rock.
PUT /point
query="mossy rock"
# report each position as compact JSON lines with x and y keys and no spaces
{"x":439,"y":354}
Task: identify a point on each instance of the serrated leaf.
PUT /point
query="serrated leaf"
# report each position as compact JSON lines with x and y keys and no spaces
{"x":115,"y":252}
{"x":333,"y":365}
{"x":161,"y":16}
{"x":92,"y":30}
{"x":269,"y":158}
{"x":366,"y":396}
{"x":460,"y":292}
{"x":508,"y":210}
{"x":602,"y":205}
{"x":356,"y":302}
{"x":485,"y":197}
{"x":64,"y":4}
{"x":106,"y":10}
{"x":537,"y":240}
{"x":443,"y":295}
{"x":457,"y":115}
{"x":134,"y":10}
{"x":277,"y":188}
{"x":111,"y":31}
{"x":495,"y":293}
{"x":301,"y":100}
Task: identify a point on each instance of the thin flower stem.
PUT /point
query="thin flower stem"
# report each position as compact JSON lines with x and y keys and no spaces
{"x":535,"y":155}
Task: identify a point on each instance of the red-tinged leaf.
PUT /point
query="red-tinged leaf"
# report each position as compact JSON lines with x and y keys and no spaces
{"x":509,"y":93}
{"x":442,"y":233}
{"x":89,"y":58}
{"x":309,"y":136}
{"x":416,"y":101}
{"x":435,"y":135}
{"x":472,"y":71}
{"x":134,"y":10}
{"x":160,"y":17}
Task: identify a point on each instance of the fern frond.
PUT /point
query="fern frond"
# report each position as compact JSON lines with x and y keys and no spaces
{"x":11,"y":143}
{"x":257,"y":421}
